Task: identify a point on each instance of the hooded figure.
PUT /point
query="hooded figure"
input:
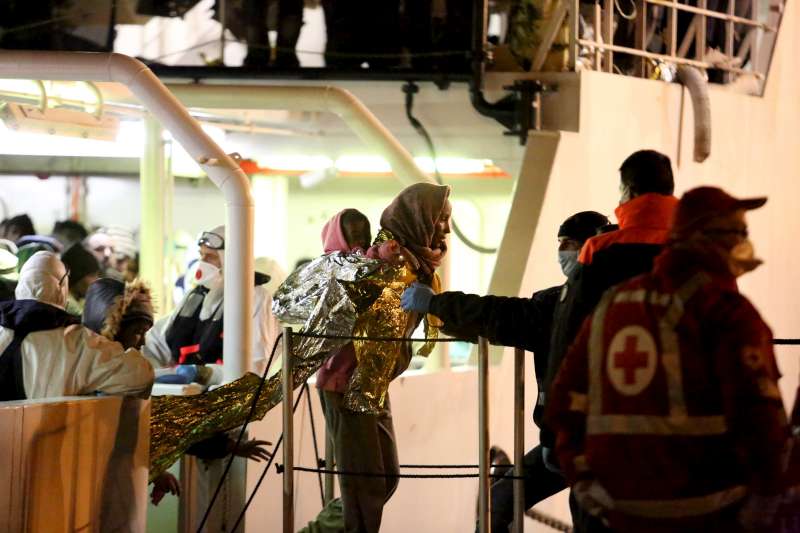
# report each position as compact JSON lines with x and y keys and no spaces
{"x":192,"y":334}
{"x":119,"y":311}
{"x":45,"y":353}
{"x":83,"y":270}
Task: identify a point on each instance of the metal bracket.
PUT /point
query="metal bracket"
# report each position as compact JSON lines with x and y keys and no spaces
{"x":526,"y":97}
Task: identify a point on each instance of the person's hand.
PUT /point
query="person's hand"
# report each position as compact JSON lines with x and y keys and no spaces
{"x":417,"y":298}
{"x":163,"y":484}
{"x":251,"y":449}
{"x":593,"y":497}
{"x":550,"y":461}
{"x":758,"y":512}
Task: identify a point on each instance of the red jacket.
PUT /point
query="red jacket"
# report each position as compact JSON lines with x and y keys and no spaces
{"x":644,"y":220}
{"x":669,"y":395}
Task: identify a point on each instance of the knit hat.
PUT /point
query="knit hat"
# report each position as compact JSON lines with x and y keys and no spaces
{"x":80,"y":263}
{"x":582,"y":226}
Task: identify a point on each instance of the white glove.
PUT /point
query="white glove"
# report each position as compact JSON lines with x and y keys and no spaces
{"x":593,"y":497}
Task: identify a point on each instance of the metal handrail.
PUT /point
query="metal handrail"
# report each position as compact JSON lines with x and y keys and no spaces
{"x":665,"y":57}
{"x":712,"y":14}
{"x":603,"y":47}
{"x":484,"y":463}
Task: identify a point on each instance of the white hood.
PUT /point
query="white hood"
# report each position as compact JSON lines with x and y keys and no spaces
{"x":44,"y":278}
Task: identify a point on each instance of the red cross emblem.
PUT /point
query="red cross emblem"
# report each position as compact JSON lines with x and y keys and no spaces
{"x":631,"y":361}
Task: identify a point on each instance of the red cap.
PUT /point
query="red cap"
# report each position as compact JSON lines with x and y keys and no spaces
{"x":703,"y":203}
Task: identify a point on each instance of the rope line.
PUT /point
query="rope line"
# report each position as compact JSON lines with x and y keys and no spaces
{"x":777,"y":342}
{"x":375,"y":339}
{"x":549,"y":521}
{"x":266,"y":468}
{"x":280,"y":469}
{"x":314,"y":439}
{"x":241,"y":435}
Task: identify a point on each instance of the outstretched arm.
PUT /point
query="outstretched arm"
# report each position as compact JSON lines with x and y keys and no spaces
{"x":519,"y":322}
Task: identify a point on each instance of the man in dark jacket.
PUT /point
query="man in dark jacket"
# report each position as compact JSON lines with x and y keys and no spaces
{"x":521,"y":322}
{"x":645,"y":212}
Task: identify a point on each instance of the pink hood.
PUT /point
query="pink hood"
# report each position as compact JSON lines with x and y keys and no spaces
{"x":333,"y":239}
{"x":332,"y":235}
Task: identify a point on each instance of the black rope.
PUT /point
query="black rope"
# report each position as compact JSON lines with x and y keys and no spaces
{"x":266,"y":468}
{"x":410,"y":89}
{"x":374,"y":339}
{"x":280,"y":470}
{"x":786,"y":342}
{"x":241,"y":435}
{"x":314,"y":439}
{"x":443,"y":466}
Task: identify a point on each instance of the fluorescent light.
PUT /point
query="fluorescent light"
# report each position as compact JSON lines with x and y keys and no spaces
{"x":453,"y":165}
{"x":362,"y":163}
{"x":295,"y":162}
{"x":23,"y":143}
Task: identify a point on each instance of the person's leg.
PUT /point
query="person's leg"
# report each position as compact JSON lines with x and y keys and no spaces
{"x":258,"y":48}
{"x":540,"y":483}
{"x":391,"y":463}
{"x":583,"y":521}
{"x":290,"y":20}
{"x":358,"y":447}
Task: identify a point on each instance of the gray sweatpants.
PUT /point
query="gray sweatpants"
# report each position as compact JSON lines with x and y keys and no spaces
{"x":362,"y":443}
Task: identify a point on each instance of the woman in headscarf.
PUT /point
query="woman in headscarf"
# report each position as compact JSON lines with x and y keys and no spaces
{"x":409,"y":247}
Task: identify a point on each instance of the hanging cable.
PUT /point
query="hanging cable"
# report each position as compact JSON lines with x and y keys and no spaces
{"x":410,"y":89}
{"x":241,"y":435}
{"x":627,"y":16}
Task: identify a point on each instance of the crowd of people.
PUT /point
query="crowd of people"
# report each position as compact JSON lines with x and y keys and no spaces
{"x":658,"y":402}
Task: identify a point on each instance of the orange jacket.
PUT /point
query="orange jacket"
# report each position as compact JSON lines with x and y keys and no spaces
{"x":644,"y":220}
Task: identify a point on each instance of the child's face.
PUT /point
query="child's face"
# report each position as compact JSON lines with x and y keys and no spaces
{"x":357,"y":233}
{"x":131,"y":335}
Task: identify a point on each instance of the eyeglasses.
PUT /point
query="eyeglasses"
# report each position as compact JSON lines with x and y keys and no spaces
{"x":65,"y":276}
{"x":212,"y":240}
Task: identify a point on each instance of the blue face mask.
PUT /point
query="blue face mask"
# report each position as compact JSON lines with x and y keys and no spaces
{"x":568,"y":259}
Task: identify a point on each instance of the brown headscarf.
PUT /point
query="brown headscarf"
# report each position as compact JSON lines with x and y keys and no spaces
{"x":411,"y":219}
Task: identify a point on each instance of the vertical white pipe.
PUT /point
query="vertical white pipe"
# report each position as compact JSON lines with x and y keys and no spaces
{"x":154,"y":227}
{"x":221,"y":169}
{"x":288,"y":433}
{"x":519,"y":439}
{"x":484,"y":502}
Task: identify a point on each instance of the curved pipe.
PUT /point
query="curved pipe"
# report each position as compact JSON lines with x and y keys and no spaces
{"x":221,"y":169}
{"x":330,"y":99}
{"x":696,"y":83}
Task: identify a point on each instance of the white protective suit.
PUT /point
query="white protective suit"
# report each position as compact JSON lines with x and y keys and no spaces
{"x":72,"y":360}
{"x":266,"y":327}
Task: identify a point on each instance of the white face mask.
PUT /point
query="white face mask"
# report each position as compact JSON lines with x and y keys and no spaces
{"x":568,"y":259}
{"x":207,"y":274}
{"x":742,"y":258}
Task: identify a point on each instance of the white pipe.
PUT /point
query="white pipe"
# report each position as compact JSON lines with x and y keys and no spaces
{"x":221,"y":169}
{"x":331,"y":99}
{"x":697,"y":85}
